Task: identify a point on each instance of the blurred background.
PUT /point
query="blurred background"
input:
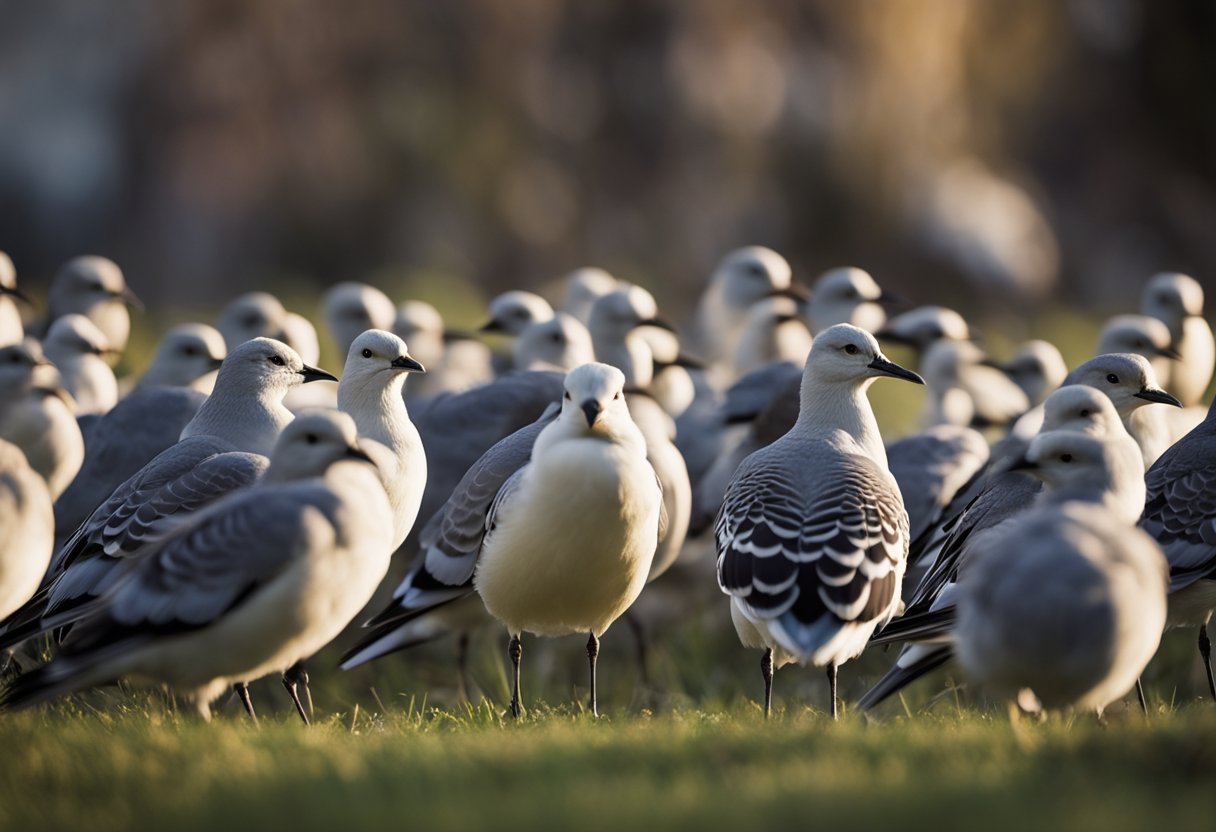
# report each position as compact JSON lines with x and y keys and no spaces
{"x":990,"y":155}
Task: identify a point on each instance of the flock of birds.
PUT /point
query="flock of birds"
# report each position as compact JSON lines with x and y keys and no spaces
{"x":213,"y":521}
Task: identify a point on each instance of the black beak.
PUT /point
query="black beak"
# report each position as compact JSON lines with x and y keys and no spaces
{"x":592,"y":409}
{"x":216,"y":362}
{"x":129,"y":298}
{"x":451,"y":336}
{"x":355,"y":452}
{"x":658,"y":323}
{"x":892,"y":301}
{"x":314,"y":374}
{"x":1170,"y":353}
{"x":890,"y":368}
{"x":19,"y":294}
{"x":894,"y":337}
{"x":1158,"y":396}
{"x":795,"y":291}
{"x":994,"y":364}
{"x":492,"y":326}
{"x":408,"y":364}
{"x":688,"y":362}
{"x":1023,"y":464}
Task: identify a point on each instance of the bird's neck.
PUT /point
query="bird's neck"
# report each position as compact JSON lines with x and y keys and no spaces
{"x":251,"y":423}
{"x":843,"y":408}
{"x":378,"y":409}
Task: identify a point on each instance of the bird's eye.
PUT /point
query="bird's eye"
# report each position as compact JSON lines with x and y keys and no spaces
{"x":1084,"y":413}
{"x":617,"y":396}
{"x":1112,"y":378}
{"x":520,"y":313}
{"x":556,"y":337}
{"x":252,"y":320}
{"x":311,"y":438}
{"x":1065,"y":457}
{"x":15,"y":358}
{"x":755,"y":270}
{"x":189,"y":351}
{"x":277,"y":360}
{"x":567,"y":396}
{"x":1140,"y":345}
{"x":367,"y":353}
{"x":851,"y":349}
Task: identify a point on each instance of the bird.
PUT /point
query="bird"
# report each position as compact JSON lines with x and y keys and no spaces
{"x":38,"y":416}
{"x":560,"y":343}
{"x":1069,"y":603}
{"x":921,"y":327}
{"x":252,"y":315}
{"x":94,"y":287}
{"x":1180,"y":514}
{"x":455,"y":361}
{"x":1142,"y":335}
{"x":1006,"y":496}
{"x":222,"y":448}
{"x":1038,"y":368}
{"x":1177,"y":300}
{"x":513,"y":312}
{"x":370,"y":392}
{"x":568,"y":539}
{"x":28,"y":521}
{"x":848,"y":295}
{"x":812,"y":536}
{"x":351,"y":308}
{"x":583,"y":288}
{"x":77,"y":348}
{"x":188,"y":355}
{"x":966,"y":387}
{"x":775,"y":330}
{"x":12,"y":327}
{"x":251,"y":586}
{"x":617,"y":321}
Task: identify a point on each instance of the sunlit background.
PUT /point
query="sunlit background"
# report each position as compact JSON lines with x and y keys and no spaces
{"x":989,"y":155}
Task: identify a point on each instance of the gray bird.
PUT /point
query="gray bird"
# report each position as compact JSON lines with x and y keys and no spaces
{"x":94,"y":287}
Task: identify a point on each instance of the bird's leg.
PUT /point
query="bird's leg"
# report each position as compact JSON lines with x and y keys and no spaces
{"x":1205,"y":650}
{"x":766,"y":670}
{"x":1140,"y":696}
{"x":516,"y":651}
{"x":462,"y":663}
{"x":832,"y":688}
{"x":639,"y":642}
{"x":593,"y":652}
{"x":295,"y":675}
{"x":242,"y":690}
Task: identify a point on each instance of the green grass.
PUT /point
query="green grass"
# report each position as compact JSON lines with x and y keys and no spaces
{"x":143,"y":766}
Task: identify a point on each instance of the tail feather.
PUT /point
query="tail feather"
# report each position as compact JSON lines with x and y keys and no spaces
{"x":389,"y":638}
{"x":899,"y":677}
{"x":936,"y":625}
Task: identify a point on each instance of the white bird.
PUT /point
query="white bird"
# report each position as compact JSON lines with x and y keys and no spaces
{"x":29,"y":529}
{"x":94,"y":287}
{"x":848,"y":295}
{"x":967,"y":388}
{"x":1142,"y":335}
{"x":38,"y":416}
{"x":252,"y":586}
{"x":583,"y":288}
{"x":743,"y":277}
{"x":775,"y":330}
{"x":1070,"y":601}
{"x":12,"y":329}
{"x":252,"y":315}
{"x":350,"y":309}
{"x":921,"y":327}
{"x":1177,"y":299}
{"x":188,"y":356}
{"x":420,"y":325}
{"x":616,"y":322}
{"x":813,"y":536}
{"x":370,"y":392}
{"x":76,"y":347}
{"x":560,"y":343}
{"x":1180,"y":514}
{"x":454,"y":361}
{"x":513,"y":312}
{"x":1038,"y":368}
{"x":223,"y":448}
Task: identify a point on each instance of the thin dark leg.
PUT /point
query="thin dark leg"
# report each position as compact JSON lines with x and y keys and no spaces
{"x":766,"y":670}
{"x":593,"y":652}
{"x":291,"y":681}
{"x":242,"y":690}
{"x":832,"y":688}
{"x":462,"y":664}
{"x":1205,"y":650}
{"x":516,"y":651}
{"x":1140,"y":696}
{"x":639,"y":643}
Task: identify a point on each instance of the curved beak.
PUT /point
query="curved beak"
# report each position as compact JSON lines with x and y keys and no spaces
{"x":795,"y":291}
{"x":129,"y":298}
{"x":404,"y":362}
{"x":890,"y":368}
{"x":492,"y":326}
{"x":591,"y":409}
{"x":1170,"y":353}
{"x":1159,"y":396}
{"x":315,"y":374}
{"x":18,"y":293}
{"x":891,"y":300}
{"x":658,"y":322}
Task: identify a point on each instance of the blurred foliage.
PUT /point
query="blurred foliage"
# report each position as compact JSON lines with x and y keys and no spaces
{"x":969,"y":153}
